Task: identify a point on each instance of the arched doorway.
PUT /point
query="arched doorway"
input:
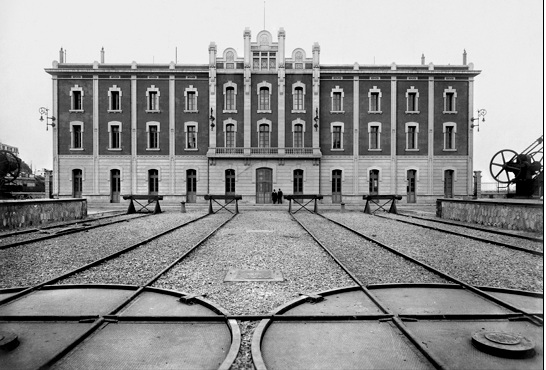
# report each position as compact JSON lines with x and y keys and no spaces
{"x":336,"y":186}
{"x":448,"y":183}
{"x":411,"y":188}
{"x":298,"y":182}
{"x":191,"y":186}
{"x":264,"y":185}
{"x":77,"y":183}
{"x":115,"y":186}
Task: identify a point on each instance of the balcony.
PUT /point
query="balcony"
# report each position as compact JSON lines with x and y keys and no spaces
{"x":254,"y":152}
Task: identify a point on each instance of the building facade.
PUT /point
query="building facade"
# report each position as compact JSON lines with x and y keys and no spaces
{"x":267,"y":119}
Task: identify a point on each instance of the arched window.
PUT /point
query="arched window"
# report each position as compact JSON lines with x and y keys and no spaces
{"x":298,"y":135}
{"x":263,"y":136}
{"x":263,"y":102}
{"x":230,"y":135}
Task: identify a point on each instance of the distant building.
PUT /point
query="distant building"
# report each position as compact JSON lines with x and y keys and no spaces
{"x":9,"y":148}
{"x":261,"y":120}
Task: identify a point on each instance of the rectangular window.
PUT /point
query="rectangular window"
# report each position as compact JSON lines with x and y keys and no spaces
{"x":449,"y":137}
{"x":263,"y":103}
{"x":411,"y":137}
{"x":374,"y":137}
{"x":76,"y":100}
{"x":191,"y":101}
{"x":450,"y":102}
{"x":263,"y":138}
{"x":114,"y":137}
{"x":298,"y":136}
{"x":230,"y":139}
{"x":153,"y":100}
{"x":412,"y":102}
{"x":115,"y":100}
{"x":336,"y":137}
{"x":230,"y":98}
{"x":336,"y":102}
{"x":374,"y":102}
{"x":298,"y":99}
{"x":77,"y":137}
{"x":191,"y":138}
{"x":153,"y":137}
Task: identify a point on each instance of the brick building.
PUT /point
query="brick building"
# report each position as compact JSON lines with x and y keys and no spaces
{"x":266,"y":119}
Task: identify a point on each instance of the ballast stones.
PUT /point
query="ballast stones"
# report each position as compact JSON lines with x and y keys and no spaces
{"x":502,"y":344}
{"x":8,"y":341}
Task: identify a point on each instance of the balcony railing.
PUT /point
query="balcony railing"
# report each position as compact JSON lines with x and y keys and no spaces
{"x":264,"y":152}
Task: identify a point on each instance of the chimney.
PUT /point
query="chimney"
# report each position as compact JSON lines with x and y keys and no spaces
{"x":61,"y":56}
{"x":464,"y":57}
{"x":422,"y":59}
{"x":102,"y":55}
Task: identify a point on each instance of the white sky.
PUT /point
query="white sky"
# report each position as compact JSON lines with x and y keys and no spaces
{"x":503,"y":38}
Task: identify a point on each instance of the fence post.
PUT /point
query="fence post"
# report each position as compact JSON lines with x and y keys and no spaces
{"x":477,"y":184}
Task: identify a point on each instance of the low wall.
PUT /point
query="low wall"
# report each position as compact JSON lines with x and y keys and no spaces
{"x":21,"y":213}
{"x":505,"y":214}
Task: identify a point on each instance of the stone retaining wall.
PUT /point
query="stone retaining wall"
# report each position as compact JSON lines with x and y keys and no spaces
{"x":22,"y":213}
{"x":511,"y":215}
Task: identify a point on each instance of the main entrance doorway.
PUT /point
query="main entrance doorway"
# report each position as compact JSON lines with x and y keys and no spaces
{"x":264,"y":185}
{"x":448,"y":183}
{"x":230,"y":182}
{"x":115,"y":186}
{"x":412,"y":175}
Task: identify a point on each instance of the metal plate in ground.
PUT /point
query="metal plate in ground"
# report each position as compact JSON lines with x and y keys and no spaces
{"x":527,"y":303}
{"x":434,"y":300}
{"x":157,"y":304}
{"x":172,"y":345}
{"x":67,"y":301}
{"x":38,"y":342}
{"x":438,"y":336}
{"x":253,"y":275}
{"x":338,"y":345}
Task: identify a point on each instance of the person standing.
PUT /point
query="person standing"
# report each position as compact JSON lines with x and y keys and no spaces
{"x":279,"y":196}
{"x":274,"y":196}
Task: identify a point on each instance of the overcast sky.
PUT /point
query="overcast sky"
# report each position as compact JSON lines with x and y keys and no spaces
{"x":504,"y":39}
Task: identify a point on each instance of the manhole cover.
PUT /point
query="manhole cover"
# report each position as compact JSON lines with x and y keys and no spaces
{"x":503,"y":344}
{"x":8,"y":341}
{"x":253,"y":275}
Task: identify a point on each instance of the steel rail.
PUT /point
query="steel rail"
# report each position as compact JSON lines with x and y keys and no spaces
{"x":530,"y":316}
{"x":94,"y":263}
{"x":477,"y":238}
{"x":112,"y":317}
{"x":435,"y":361}
{"x":65,"y":232}
{"x":473,"y":227}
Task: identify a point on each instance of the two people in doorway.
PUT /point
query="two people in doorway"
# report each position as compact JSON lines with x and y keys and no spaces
{"x":276,"y":196}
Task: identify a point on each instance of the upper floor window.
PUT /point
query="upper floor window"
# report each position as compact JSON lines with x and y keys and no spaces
{"x":412,"y":133}
{"x":264,"y":97}
{"x":114,"y":134}
{"x":190,"y":95}
{"x":450,"y":100}
{"x":297,"y":130}
{"x":230,"y":135}
{"x":152,"y":131}
{"x":76,"y":99}
{"x":374,"y":133}
{"x":412,"y":100}
{"x":337,"y":96}
{"x":230,"y":95}
{"x":337,"y":129}
{"x":114,"y":99}
{"x":152,"y":99}
{"x":374,"y":100}
{"x":190,"y":128}
{"x":450,"y":129}
{"x":76,"y":135}
{"x":264,"y":60}
{"x":263,"y":135}
{"x":298,"y":94}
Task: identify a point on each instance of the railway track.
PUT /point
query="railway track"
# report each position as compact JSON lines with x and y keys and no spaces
{"x":33,"y":235}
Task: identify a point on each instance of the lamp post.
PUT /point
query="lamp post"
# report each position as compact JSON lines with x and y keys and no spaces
{"x":44,"y":111}
{"x":481,"y":113}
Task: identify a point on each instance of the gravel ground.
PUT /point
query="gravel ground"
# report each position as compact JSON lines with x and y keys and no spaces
{"x":139,"y":265}
{"x":255,"y":241}
{"x":474,"y":262}
{"x":529,"y":244}
{"x":7,"y":239}
{"x":370,"y":263}
{"x":36,"y":262}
